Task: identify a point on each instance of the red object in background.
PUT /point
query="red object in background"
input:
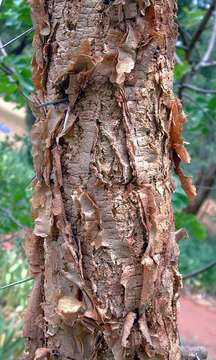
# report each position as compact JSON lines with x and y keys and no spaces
{"x":197,"y":323}
{"x":7,"y":245}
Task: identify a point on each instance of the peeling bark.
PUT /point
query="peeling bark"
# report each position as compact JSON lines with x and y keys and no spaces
{"x":103,"y":161}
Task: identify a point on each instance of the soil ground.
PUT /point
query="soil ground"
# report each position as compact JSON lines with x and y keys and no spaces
{"x":197,"y":322}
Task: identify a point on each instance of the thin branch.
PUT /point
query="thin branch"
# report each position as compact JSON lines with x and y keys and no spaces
{"x":208,"y":64}
{"x":15,"y":283}
{"x":211,"y":45}
{"x":179,"y":46}
{"x":17,"y":37}
{"x":196,"y":36}
{"x":205,"y":181}
{"x":198,"y":89}
{"x":11,"y":217}
{"x":4,"y":68}
{"x":11,"y":72}
{"x":200,"y":271}
{"x":184,"y":35}
{"x":178,"y":59}
{"x":28,"y":182}
{"x":2,"y":50}
{"x":20,"y":46}
{"x":211,"y":119}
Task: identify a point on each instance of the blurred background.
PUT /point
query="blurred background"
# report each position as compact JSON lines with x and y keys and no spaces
{"x":195,"y":84}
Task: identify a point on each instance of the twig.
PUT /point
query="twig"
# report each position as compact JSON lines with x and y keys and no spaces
{"x":198,"y":89}
{"x":184,"y":35}
{"x":206,"y":187}
{"x":15,"y":283}
{"x":28,"y":182}
{"x":199,"y":107}
{"x":10,"y":215}
{"x":200,"y":29}
{"x":178,"y":59}
{"x":8,"y":71}
{"x":2,"y":50}
{"x":210,"y":48}
{"x":17,"y":37}
{"x":197,"y":272}
{"x":11,"y":72}
{"x":208,"y":64}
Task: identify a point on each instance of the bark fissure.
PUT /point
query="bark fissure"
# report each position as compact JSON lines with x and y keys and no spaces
{"x":102,"y":199}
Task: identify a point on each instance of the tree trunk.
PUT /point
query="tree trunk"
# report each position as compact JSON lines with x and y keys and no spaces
{"x":103,"y":249}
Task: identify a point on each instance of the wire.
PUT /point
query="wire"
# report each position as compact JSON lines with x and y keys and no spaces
{"x":200,"y":271}
{"x":54,"y":102}
{"x":15,"y":283}
{"x":17,"y":37}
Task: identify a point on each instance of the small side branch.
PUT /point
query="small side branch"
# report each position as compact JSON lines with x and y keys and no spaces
{"x":208,"y":64}
{"x":210,"y":48}
{"x":205,"y":184}
{"x":196,"y":36}
{"x":198,"y":89}
{"x":8,"y":213}
{"x":197,"y":105}
{"x":184,"y":35}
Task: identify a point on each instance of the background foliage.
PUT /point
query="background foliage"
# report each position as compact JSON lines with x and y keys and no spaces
{"x":16,"y":169}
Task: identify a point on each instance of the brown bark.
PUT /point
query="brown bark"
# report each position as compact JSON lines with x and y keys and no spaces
{"x":102,"y":199}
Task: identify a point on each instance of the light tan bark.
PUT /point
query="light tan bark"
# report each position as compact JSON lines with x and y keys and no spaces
{"x":102,"y":199}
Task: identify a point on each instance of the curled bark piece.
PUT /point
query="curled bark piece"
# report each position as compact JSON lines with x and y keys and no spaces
{"x":187,"y":183}
{"x":128,"y":324}
{"x":126,"y":55}
{"x":178,"y":119}
{"x":41,"y":205}
{"x":69,"y":307}
{"x":181,"y":234}
{"x":34,"y":251}
{"x":144,"y":329}
{"x":33,"y":317}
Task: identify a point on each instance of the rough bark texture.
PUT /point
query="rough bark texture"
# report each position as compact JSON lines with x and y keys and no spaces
{"x":102,"y":201}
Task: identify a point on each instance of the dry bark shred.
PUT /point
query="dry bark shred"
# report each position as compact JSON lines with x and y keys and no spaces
{"x":178,"y":119}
